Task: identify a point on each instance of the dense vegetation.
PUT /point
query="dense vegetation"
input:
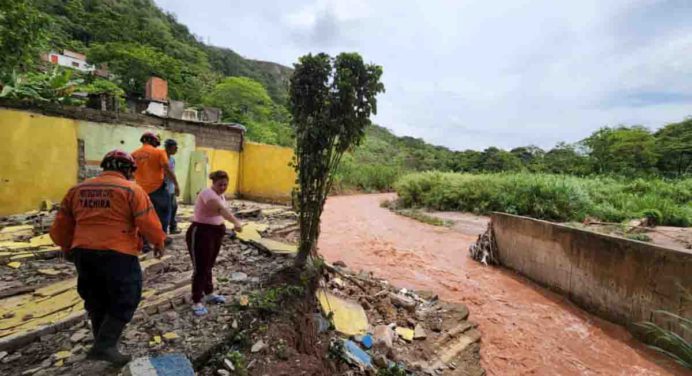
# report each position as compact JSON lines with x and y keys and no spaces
{"x":552,"y":197}
{"x":137,"y":39}
{"x":620,"y":151}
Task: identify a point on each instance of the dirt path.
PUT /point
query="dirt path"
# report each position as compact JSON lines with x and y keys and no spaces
{"x":526,"y":329}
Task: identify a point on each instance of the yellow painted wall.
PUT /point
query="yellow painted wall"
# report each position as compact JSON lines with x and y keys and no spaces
{"x":265,"y":172}
{"x":38,"y":159}
{"x":226,"y":160}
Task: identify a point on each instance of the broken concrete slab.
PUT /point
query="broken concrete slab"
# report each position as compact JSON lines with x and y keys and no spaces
{"x":41,"y":240}
{"x":14,"y":246}
{"x":79,"y":336}
{"x":405,"y":333}
{"x":47,"y":307}
{"x":248,"y":213}
{"x":403,"y":301}
{"x":11,"y":233}
{"x":383,"y":337}
{"x":348,"y":316}
{"x":251,"y":231}
{"x":169,"y":365}
{"x":49,"y":272}
{"x":277,"y":247}
{"x":258,"y":346}
{"x":419,"y":332}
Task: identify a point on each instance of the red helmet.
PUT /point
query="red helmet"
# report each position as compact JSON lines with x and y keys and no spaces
{"x":151,"y":138}
{"x":118,"y":160}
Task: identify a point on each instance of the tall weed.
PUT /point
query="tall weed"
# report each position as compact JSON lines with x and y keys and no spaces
{"x":551,"y":197}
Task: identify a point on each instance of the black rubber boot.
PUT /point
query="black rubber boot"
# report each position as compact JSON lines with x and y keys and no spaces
{"x":106,"y":344}
{"x":96,"y":319}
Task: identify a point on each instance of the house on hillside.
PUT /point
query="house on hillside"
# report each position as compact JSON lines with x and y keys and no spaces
{"x":69,"y":59}
{"x":75,"y":60}
{"x":158,"y":104}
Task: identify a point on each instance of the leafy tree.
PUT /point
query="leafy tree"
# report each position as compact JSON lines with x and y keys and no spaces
{"x":22,"y":35}
{"x":102,"y":86}
{"x":622,"y":150}
{"x":493,"y":159}
{"x":331,"y":100}
{"x":246,"y":101}
{"x":466,"y":161}
{"x":530,"y":156}
{"x":564,"y":159}
{"x":674,"y":145}
{"x":135,"y":63}
{"x":242,"y":100}
{"x":55,"y":86}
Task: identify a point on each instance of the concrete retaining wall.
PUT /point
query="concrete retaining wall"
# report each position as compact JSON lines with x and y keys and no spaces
{"x":618,"y":279}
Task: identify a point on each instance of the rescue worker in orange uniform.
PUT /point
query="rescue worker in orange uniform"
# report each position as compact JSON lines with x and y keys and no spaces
{"x":99,"y":226}
{"x":152,"y":168}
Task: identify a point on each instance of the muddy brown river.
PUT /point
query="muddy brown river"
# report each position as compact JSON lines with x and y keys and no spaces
{"x":526,"y":329}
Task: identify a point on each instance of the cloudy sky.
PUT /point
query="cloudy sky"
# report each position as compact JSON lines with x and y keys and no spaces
{"x":475,"y":73}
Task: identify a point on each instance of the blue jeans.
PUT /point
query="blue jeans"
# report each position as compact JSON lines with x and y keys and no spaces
{"x":174,"y":211}
{"x":162,"y":204}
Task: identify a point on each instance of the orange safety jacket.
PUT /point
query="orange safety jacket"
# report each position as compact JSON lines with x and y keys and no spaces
{"x":107,"y":212}
{"x":151,"y":166}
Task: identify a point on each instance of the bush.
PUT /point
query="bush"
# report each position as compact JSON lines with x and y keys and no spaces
{"x":368,"y":177}
{"x":551,"y":197}
{"x":653,"y":216}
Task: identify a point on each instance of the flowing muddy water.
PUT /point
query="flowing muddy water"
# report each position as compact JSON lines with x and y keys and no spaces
{"x":526,"y":329}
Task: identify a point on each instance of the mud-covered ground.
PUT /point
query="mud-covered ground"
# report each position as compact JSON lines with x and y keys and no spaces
{"x":266,"y":327}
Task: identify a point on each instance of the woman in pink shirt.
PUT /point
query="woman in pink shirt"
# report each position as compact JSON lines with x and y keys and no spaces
{"x":204,"y":238}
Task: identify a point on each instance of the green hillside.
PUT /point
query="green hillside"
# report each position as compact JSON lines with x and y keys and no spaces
{"x":136,"y":39}
{"x":132,"y":34}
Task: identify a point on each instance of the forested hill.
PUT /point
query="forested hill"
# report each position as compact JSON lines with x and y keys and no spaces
{"x":136,"y":38}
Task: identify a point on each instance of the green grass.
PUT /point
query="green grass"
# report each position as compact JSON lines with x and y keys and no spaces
{"x":416,"y":214}
{"x":667,"y":342}
{"x":551,"y":197}
{"x":367,"y":177}
{"x":639,"y":237}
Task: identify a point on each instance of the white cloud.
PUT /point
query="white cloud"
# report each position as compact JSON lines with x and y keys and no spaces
{"x":476,"y":73}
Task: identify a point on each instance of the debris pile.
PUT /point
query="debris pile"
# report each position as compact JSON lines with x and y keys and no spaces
{"x":23,"y":239}
{"x":361,"y":323}
{"x":378,"y":326}
{"x":485,"y":248}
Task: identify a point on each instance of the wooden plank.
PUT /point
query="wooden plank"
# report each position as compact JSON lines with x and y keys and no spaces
{"x":16,"y":340}
{"x":58,"y":304}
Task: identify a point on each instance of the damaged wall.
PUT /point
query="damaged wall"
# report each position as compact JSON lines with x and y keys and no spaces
{"x":621,"y":280}
{"x":265,"y":172}
{"x":38,"y":159}
{"x":100,"y":138}
{"x":34,"y":143}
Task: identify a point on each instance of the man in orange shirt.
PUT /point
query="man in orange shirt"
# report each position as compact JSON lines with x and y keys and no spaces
{"x":99,"y":226}
{"x":152,"y":168}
